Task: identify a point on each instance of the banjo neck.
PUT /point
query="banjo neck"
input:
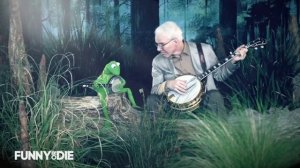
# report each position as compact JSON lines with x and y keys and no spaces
{"x":254,"y":44}
{"x":214,"y":68}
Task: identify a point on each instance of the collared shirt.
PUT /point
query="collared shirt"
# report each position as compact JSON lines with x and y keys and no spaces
{"x":183,"y":62}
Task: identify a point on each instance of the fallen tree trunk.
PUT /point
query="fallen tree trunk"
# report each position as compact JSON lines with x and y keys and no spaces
{"x":118,"y":106}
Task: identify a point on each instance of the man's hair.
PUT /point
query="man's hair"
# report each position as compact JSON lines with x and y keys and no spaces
{"x":169,"y":29}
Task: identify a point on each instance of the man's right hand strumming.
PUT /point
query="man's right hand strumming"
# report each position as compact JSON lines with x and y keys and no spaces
{"x":177,"y":85}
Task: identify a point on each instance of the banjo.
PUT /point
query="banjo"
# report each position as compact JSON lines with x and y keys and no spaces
{"x":191,"y":99}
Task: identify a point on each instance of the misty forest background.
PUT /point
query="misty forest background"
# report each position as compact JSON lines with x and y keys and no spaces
{"x":95,"y":32}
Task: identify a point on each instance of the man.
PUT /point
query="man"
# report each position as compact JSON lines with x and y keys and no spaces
{"x":179,"y":57}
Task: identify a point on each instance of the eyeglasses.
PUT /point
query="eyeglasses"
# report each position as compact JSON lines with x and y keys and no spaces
{"x":161,"y":45}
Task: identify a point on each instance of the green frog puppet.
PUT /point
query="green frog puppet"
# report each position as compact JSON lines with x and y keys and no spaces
{"x":109,"y":82}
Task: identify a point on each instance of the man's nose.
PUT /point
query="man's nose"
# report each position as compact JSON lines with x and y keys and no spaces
{"x":158,"y":48}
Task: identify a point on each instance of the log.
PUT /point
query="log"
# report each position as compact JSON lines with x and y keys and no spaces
{"x":119,"y":108}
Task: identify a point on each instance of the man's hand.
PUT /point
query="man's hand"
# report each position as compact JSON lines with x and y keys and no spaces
{"x":177,"y":85}
{"x":240,"y":54}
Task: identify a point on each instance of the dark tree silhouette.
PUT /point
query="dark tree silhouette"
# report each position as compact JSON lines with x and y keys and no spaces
{"x":144,"y":20}
{"x":117,"y":33}
{"x":228,"y":15}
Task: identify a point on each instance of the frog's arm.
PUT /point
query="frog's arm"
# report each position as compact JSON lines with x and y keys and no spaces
{"x":121,"y":89}
{"x":103,"y":79}
{"x":130,"y":95}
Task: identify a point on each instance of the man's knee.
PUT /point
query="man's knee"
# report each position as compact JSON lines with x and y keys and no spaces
{"x":214,"y":102}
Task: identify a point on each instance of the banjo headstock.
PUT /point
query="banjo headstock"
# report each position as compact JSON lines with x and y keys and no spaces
{"x":256,"y":43}
{"x":259,"y":42}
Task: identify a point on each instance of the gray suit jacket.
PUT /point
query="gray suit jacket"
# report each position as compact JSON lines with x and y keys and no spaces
{"x":163,"y":68}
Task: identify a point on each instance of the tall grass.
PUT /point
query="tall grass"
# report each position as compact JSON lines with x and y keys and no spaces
{"x":264,"y":79}
{"x":50,"y":127}
{"x":151,"y":144}
{"x":245,"y":139}
{"x":144,"y":144}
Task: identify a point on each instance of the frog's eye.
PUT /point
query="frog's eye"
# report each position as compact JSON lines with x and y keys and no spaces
{"x":118,"y":63}
{"x":113,"y":65}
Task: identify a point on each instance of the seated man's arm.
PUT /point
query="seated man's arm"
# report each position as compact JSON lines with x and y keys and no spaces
{"x":158,"y":83}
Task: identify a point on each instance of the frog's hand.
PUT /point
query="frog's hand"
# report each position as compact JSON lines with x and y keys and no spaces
{"x":119,"y":88}
{"x":117,"y":83}
{"x":123,"y":81}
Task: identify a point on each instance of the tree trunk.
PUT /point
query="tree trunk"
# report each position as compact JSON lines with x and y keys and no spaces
{"x":117,"y":23}
{"x":120,"y":110}
{"x":19,"y":65}
{"x":4,"y":28}
{"x":32,"y":27}
{"x":88,"y":12}
{"x":295,"y":49}
{"x":66,"y":5}
{"x":24,"y":135}
{"x":228,"y":16}
{"x":42,"y":80}
{"x":21,"y":74}
{"x":144,"y":20}
{"x":220,"y":50}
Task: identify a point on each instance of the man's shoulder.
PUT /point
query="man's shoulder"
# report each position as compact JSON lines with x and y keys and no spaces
{"x":200,"y":43}
{"x":205,"y":45}
{"x":159,"y":58}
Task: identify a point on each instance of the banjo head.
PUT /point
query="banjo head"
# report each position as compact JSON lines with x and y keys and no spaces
{"x":191,"y":97}
{"x":116,"y":83}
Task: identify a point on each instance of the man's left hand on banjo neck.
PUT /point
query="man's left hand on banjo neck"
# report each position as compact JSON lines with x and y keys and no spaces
{"x":240,"y":54}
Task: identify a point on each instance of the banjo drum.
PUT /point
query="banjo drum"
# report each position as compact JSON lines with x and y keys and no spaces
{"x":190,"y":100}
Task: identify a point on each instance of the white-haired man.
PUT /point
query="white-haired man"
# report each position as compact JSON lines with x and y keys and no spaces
{"x":179,"y":57}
